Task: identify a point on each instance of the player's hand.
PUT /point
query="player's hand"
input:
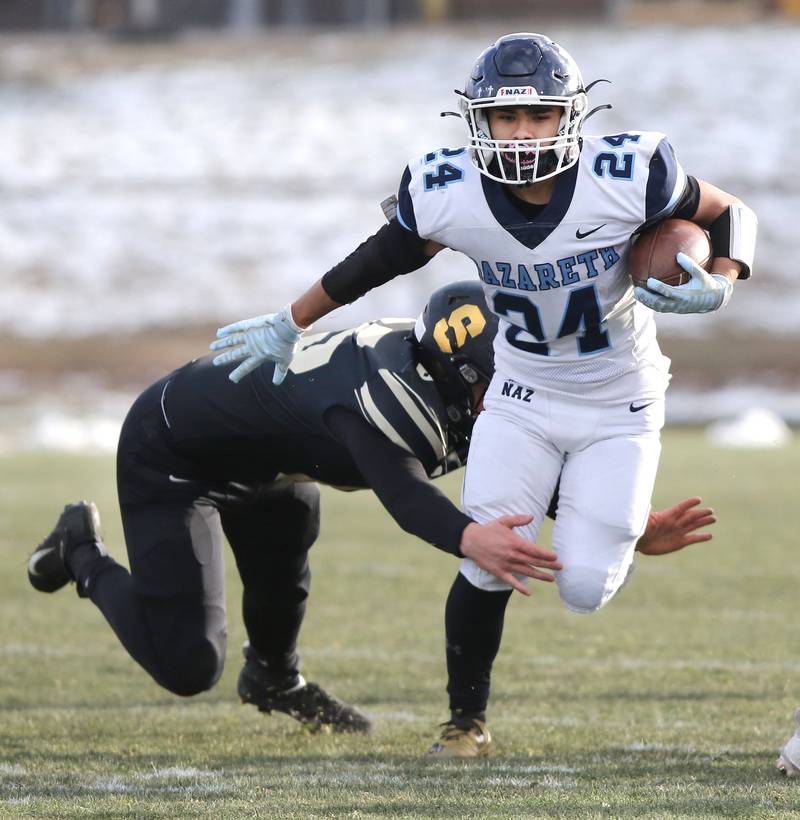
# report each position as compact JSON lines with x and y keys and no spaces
{"x":272,"y":337}
{"x":673,"y":529}
{"x":703,"y":293}
{"x":496,"y":548}
{"x":789,"y":761}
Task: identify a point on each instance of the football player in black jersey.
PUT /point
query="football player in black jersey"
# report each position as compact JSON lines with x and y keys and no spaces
{"x":387,"y":405}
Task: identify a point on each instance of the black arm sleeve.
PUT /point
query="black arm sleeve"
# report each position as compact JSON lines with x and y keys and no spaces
{"x":400,"y":482}
{"x":390,"y":252}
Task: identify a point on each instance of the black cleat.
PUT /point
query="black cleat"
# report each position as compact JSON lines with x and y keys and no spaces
{"x":48,"y":568}
{"x":307,"y":702}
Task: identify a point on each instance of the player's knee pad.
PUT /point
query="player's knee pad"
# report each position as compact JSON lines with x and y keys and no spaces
{"x":189,"y":642}
{"x":592,"y":576}
{"x":192,"y":669}
{"x":585,"y":589}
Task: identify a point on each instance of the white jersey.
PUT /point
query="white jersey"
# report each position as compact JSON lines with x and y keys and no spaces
{"x":568,"y":320}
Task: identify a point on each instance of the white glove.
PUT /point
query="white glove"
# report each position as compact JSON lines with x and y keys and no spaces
{"x":703,"y":293}
{"x":272,"y":337}
{"x":789,"y":760}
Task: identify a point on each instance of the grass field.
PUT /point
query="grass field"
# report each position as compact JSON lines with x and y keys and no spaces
{"x":672,"y":702}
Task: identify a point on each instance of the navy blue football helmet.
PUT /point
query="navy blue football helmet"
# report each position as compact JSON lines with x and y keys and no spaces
{"x":524,"y":69}
{"x":454,"y":337}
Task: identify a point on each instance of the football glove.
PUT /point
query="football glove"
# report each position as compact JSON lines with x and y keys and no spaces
{"x":789,"y":760}
{"x":272,"y":337}
{"x":703,"y":293}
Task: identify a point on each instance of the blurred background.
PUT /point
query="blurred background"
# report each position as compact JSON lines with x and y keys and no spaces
{"x":168,"y":166}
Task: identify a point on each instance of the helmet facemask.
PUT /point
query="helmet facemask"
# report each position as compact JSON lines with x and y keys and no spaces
{"x":522,"y":162}
{"x":524,"y":69}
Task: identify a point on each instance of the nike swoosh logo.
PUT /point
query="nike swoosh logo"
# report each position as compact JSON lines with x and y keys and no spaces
{"x":635,"y":408}
{"x":175,"y":480}
{"x":581,"y":235}
{"x":33,"y":563}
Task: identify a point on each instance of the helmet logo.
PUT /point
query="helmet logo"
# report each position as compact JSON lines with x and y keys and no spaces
{"x":517,"y":91}
{"x":464,"y":321}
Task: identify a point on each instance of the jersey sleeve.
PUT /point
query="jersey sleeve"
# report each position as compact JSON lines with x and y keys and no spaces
{"x":666,"y":183}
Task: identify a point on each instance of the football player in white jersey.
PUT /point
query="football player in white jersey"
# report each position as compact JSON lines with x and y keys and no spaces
{"x":548,"y":216}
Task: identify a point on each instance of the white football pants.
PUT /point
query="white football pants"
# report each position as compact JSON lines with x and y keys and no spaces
{"x":606,"y":454}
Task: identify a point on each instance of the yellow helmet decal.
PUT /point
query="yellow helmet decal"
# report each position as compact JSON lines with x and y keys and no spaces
{"x":464,"y":320}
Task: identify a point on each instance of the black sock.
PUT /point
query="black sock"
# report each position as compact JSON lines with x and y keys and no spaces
{"x":282,"y":672}
{"x":272,"y":630}
{"x":273,"y":613}
{"x":84,"y":562}
{"x":474,"y":629}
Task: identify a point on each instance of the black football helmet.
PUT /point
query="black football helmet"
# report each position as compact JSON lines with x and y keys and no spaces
{"x":454,"y":337}
{"x":524,"y":69}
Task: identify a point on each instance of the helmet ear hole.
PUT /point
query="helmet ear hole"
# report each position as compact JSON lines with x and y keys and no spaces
{"x":468,"y":373}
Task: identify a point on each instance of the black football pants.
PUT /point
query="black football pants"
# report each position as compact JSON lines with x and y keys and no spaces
{"x":169,"y":610}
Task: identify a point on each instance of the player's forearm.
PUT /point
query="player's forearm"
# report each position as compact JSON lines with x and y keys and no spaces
{"x":399,"y":480}
{"x":729,"y":268}
{"x":419,"y":508}
{"x":312,"y":305}
{"x":712,"y":202}
{"x":425,"y":512}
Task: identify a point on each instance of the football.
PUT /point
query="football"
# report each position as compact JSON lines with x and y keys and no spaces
{"x":653,"y":253}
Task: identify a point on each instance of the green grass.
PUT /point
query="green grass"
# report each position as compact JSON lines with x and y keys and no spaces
{"x":671,"y":702}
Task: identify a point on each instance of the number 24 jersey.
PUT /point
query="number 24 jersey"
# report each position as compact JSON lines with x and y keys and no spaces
{"x":568,"y":319}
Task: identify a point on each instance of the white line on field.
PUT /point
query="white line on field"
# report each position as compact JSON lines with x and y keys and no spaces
{"x":178,"y":772}
{"x":400,"y":716}
{"x":500,"y":768}
{"x":116,"y":785}
{"x":173,"y":780}
{"x":196,"y":782}
{"x":547,"y":782}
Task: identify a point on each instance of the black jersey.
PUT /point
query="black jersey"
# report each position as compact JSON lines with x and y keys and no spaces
{"x":255,"y":431}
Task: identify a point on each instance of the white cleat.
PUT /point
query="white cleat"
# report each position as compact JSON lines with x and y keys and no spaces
{"x":789,"y":760}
